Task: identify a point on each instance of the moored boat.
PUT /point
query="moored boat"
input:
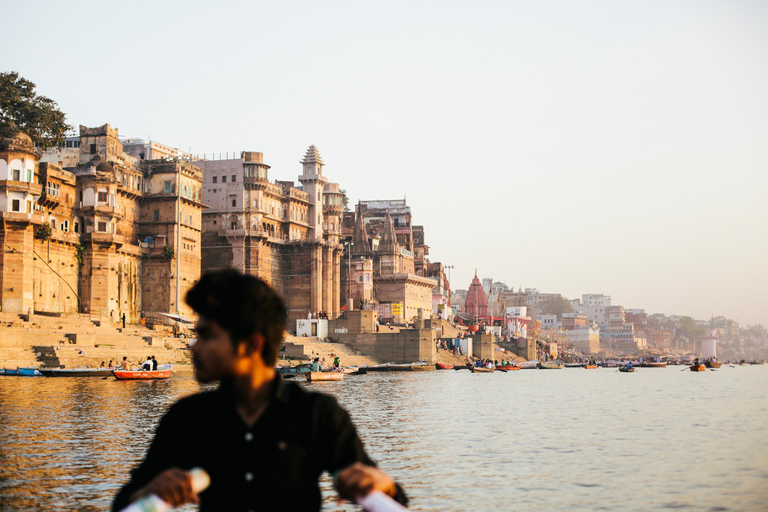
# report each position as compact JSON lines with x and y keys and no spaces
{"x":480,"y":369}
{"x":573,"y":365}
{"x":29,"y":372}
{"x":324,"y":376}
{"x":9,"y":372}
{"x":551,"y":365}
{"x":508,"y":367}
{"x":443,"y":366}
{"x":529,"y":365}
{"x":655,"y":364}
{"x":76,"y":372}
{"x":287,"y":370}
{"x":162,"y":372}
{"x":590,"y":366}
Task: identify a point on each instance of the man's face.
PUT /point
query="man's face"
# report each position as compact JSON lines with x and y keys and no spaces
{"x":213,"y":354}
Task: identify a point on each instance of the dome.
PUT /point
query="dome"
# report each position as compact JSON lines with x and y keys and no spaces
{"x":17,"y":141}
{"x":100,"y":165}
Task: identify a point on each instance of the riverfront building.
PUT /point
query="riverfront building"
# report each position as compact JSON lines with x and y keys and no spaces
{"x":286,"y":234}
{"x":109,"y":235}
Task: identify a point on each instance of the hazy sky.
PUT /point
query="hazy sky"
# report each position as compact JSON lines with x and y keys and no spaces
{"x":574,"y":147}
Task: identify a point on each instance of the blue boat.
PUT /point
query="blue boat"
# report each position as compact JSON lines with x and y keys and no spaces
{"x":29,"y":372}
{"x":8,"y":371}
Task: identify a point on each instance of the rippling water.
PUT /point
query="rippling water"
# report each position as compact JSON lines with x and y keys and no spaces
{"x":568,"y":439}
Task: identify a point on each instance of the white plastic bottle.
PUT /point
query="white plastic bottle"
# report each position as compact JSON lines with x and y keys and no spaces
{"x":152,"y":503}
{"x":377,"y":501}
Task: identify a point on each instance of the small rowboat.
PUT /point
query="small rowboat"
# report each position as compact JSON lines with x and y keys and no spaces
{"x":443,"y":366}
{"x":698,"y":368}
{"x":713,"y":364}
{"x":323,"y":376}
{"x":29,"y":372}
{"x":76,"y":372}
{"x":508,"y":367}
{"x":590,"y":366}
{"x":529,"y":365}
{"x":626,"y":369}
{"x":480,"y":369}
{"x":9,"y":372}
{"x":551,"y":365}
{"x":655,"y":364}
{"x":162,"y":372}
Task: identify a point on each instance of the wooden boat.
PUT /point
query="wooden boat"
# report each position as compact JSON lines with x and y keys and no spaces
{"x":574,"y":365}
{"x":423,"y":368}
{"x":590,"y":366}
{"x":655,"y":364}
{"x":529,"y":365}
{"x":76,"y":372}
{"x":626,"y":369}
{"x":755,"y":362}
{"x":163,"y":372}
{"x":713,"y":364}
{"x":377,"y":367}
{"x":508,"y":367}
{"x":698,"y":368}
{"x":284,"y":370}
{"x":443,"y":366}
{"x":29,"y":372}
{"x":551,"y":365}
{"x":324,"y":376}
{"x":462,"y":367}
{"x":481,"y":369}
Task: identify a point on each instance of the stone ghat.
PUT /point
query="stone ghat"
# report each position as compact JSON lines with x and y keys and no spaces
{"x":73,"y":342}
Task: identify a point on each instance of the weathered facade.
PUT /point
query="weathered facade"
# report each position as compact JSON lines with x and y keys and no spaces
{"x":287,"y":235}
{"x":80,"y":237}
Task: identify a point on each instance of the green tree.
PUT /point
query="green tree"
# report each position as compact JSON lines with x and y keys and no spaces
{"x":556,"y":306}
{"x":686,"y":326}
{"x":23,"y":110}
{"x":345,"y":200}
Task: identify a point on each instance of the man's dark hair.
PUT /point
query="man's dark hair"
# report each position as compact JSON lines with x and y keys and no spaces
{"x":242,"y":305}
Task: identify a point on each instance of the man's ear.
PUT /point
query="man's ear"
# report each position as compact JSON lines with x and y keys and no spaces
{"x":252,"y":344}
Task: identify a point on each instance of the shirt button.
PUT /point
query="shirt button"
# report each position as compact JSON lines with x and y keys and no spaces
{"x":248,"y":436}
{"x":248,"y":476}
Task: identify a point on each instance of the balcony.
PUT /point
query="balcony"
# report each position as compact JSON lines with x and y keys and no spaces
{"x":103,"y":210}
{"x":21,"y":217}
{"x":97,"y":237}
{"x":21,"y":186}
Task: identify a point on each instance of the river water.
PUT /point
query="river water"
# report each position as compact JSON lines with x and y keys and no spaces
{"x":569,"y":439}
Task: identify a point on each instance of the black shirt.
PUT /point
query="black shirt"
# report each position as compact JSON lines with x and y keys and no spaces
{"x":275,"y":464}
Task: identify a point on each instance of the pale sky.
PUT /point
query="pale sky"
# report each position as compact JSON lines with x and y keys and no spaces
{"x":574,"y":147}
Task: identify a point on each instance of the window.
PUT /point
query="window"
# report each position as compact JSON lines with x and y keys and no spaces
{"x":102,"y":227}
{"x":16,"y":205}
{"x":65,"y":225}
{"x":53,"y":223}
{"x":77,"y":227}
{"x":215,"y":179}
{"x":223,"y":179}
{"x":29,"y":176}
{"x":234,"y":178}
{"x":102,"y":197}
{"x":16,"y":175}
{"x":167,"y":187}
{"x":361,"y":279}
{"x":156,"y":215}
{"x":93,"y":149}
{"x":185,"y":218}
{"x":234,"y":202}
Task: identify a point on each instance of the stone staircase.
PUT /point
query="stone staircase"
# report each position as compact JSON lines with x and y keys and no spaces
{"x":304,"y":349}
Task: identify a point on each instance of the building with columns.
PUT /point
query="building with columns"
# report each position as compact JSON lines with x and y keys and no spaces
{"x":286,"y":234}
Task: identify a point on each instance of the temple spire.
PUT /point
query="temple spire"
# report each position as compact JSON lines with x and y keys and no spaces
{"x":388,"y":242}
{"x":360,"y":237}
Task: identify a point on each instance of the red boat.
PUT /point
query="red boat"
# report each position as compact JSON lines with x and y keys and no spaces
{"x":162,"y":372}
{"x":508,"y":367}
{"x":443,"y":366}
{"x":698,"y":368}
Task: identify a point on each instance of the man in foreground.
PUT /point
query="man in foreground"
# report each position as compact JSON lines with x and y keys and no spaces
{"x":264,"y":442}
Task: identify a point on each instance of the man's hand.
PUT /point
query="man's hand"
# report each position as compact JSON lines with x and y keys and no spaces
{"x":174,"y":486}
{"x":360,"y":480}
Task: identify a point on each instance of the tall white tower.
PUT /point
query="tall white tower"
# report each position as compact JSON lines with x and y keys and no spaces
{"x":313,"y":181}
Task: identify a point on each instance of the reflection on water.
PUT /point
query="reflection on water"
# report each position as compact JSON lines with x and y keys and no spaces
{"x":571,"y":439}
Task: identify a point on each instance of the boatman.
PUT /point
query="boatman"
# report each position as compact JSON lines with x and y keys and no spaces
{"x":263,"y":441}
